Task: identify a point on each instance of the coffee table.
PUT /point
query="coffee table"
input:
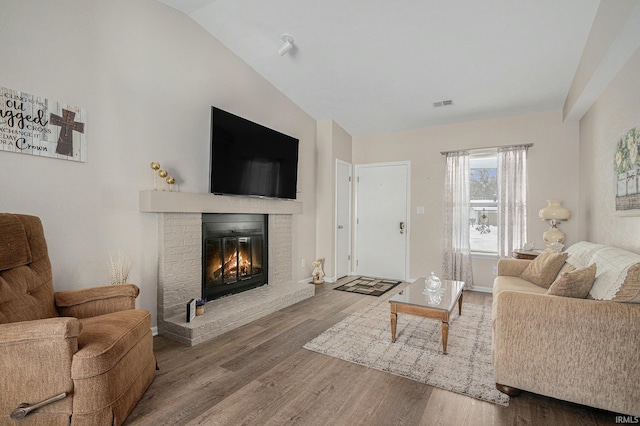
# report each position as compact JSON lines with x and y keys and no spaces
{"x":415,"y":300}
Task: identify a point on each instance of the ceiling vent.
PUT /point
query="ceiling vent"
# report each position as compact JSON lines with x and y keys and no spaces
{"x":442,"y":103}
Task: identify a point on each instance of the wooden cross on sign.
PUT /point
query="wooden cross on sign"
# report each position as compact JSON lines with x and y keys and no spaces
{"x":67,"y":125}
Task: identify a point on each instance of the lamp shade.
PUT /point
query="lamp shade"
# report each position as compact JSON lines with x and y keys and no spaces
{"x":554,"y":210}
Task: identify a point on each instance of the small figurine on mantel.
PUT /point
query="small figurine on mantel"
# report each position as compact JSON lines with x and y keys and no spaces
{"x":317,"y":271}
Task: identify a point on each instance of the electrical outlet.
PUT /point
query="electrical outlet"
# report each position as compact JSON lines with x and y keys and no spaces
{"x":303,"y":263}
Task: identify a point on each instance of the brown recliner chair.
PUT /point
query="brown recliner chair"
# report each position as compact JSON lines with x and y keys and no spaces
{"x":90,"y":344}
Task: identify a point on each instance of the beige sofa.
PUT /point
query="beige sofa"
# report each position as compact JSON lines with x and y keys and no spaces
{"x":580,"y":350}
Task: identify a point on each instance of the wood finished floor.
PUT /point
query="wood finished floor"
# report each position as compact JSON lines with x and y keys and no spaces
{"x":260,"y":374}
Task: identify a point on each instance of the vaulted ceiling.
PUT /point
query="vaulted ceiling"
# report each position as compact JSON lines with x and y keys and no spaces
{"x":379,"y":66}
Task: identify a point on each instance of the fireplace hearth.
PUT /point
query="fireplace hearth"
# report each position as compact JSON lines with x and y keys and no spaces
{"x":234,"y":253}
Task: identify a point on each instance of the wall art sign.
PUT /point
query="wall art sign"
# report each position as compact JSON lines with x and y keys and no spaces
{"x":626,"y":164}
{"x":38,"y":126}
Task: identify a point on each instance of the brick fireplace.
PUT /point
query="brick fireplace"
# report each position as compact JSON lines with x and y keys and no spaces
{"x":180,"y":263}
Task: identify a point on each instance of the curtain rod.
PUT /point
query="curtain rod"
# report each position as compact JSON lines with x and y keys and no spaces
{"x":528,"y":145}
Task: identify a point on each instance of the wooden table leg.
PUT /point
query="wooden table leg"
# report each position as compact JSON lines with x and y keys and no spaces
{"x":460,"y":303}
{"x":445,"y":335}
{"x":394,"y":321}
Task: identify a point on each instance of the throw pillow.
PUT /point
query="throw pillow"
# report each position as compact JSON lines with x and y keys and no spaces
{"x":542,"y":270}
{"x":575,"y":283}
{"x":630,"y":290}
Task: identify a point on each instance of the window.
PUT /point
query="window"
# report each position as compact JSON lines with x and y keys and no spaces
{"x":483,"y":194}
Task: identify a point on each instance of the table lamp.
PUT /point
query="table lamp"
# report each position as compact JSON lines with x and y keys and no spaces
{"x":553,"y":214}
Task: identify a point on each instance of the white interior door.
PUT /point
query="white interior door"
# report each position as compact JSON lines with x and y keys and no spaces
{"x":381,"y":220}
{"x":343,"y":219}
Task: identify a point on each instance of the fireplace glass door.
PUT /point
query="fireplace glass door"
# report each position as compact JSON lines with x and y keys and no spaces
{"x":232,"y":259}
{"x":233,"y":256}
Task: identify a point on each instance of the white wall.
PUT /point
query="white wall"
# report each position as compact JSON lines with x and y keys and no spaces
{"x":552,"y":165}
{"x":615,"y":112}
{"x":147,"y":76}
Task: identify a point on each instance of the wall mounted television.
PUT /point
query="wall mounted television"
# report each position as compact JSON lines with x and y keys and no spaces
{"x":250,"y":159}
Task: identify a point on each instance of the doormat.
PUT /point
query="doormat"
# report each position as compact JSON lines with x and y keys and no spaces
{"x":371,"y":286}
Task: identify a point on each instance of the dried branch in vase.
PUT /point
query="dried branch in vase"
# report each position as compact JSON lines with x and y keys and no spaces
{"x":119,"y":268}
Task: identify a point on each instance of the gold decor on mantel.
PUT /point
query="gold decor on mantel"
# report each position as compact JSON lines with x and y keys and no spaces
{"x":553,"y":214}
{"x":164,"y":175}
{"x":170,"y":181}
{"x":155,"y":166}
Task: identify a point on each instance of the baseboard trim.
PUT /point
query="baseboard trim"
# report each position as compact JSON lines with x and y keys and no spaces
{"x":310,"y":280}
{"x":154,"y":331}
{"x":483,"y":289}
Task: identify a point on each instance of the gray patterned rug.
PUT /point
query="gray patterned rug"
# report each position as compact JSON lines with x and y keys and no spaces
{"x":365,"y":338}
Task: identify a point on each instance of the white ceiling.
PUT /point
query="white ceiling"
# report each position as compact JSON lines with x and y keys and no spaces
{"x":378,"y":66}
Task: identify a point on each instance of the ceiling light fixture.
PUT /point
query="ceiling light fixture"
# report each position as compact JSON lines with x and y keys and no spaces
{"x":288,"y":44}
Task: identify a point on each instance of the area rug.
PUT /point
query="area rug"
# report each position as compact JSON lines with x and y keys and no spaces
{"x":367,"y":285}
{"x":365,"y":338}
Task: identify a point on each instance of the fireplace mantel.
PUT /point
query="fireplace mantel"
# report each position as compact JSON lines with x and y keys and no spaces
{"x":186,"y":202}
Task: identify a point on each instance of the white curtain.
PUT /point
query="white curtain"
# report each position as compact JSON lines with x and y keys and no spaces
{"x":456,"y":263}
{"x":512,"y":199}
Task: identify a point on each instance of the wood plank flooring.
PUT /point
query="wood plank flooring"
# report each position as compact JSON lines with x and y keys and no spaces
{"x":260,"y":374}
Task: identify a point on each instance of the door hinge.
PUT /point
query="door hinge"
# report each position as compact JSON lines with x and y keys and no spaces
{"x":357,"y":221}
{"x":356,"y":263}
{"x":349,"y":178}
{"x":358,"y":179}
{"x":348,"y":257}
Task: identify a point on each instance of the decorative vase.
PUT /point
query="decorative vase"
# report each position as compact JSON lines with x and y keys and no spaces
{"x":199,"y":310}
{"x":433,"y":283}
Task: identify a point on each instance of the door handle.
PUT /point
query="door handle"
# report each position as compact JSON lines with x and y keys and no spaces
{"x":402,"y":227}
{"x":340,"y":226}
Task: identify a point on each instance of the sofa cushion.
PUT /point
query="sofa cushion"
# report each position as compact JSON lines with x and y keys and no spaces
{"x":576,"y":283}
{"x":542,"y":271}
{"x":506,"y":283}
{"x":14,"y":247}
{"x":567,"y":267}
{"x":26,"y":289}
{"x":107,"y":338}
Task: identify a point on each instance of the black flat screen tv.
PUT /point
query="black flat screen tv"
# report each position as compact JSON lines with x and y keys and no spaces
{"x":250,"y":159}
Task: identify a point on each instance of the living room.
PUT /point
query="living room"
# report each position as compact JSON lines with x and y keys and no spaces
{"x":148,"y":75}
